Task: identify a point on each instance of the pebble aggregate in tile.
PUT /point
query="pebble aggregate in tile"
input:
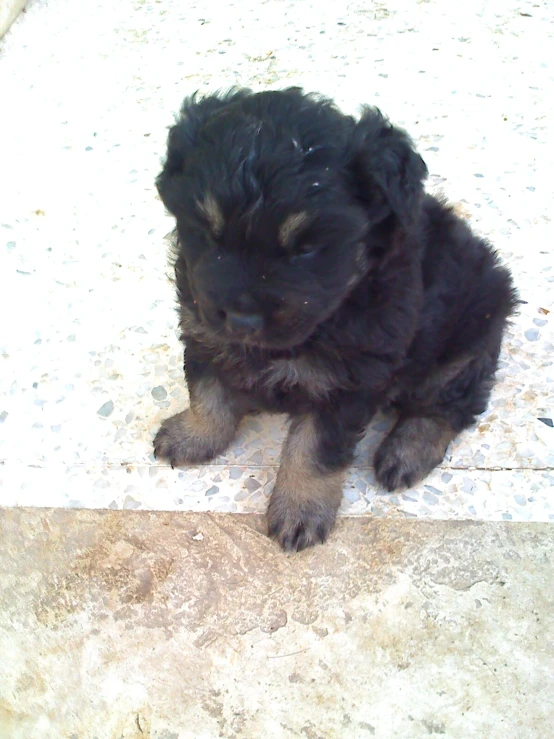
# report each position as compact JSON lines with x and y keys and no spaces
{"x":473,"y":494}
{"x":93,"y":363}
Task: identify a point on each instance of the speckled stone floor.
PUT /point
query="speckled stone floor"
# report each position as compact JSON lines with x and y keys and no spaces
{"x":90,"y":358}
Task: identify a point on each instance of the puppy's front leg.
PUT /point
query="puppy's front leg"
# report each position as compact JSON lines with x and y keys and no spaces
{"x":308,"y":490}
{"x":202,"y":431}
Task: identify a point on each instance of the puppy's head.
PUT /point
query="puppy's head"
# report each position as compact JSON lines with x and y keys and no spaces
{"x":277,"y":197}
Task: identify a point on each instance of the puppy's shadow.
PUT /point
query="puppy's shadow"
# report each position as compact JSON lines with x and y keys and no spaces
{"x":380,"y":426}
{"x":260,"y":438}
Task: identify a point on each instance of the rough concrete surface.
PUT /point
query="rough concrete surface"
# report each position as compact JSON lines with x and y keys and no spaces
{"x":127,"y":625}
{"x":9,"y":10}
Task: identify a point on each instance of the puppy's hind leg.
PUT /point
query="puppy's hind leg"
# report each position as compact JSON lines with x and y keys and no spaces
{"x":413,"y":448}
{"x":431,"y":416}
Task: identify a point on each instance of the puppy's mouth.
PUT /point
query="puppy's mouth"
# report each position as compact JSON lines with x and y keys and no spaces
{"x":271,"y":342}
{"x":281,"y":335}
{"x":281,"y":338}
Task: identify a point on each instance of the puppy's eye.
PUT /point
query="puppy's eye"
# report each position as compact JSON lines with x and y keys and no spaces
{"x":305,"y":253}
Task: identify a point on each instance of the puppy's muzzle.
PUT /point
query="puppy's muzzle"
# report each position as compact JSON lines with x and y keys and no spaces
{"x":244,"y":324}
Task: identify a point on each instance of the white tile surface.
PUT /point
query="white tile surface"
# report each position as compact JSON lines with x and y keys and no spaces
{"x":90,"y":359}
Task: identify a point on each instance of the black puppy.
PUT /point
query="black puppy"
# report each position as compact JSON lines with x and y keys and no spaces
{"x":316,"y":278}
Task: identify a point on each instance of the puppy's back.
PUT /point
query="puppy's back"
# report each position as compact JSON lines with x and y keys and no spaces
{"x":469,"y":294}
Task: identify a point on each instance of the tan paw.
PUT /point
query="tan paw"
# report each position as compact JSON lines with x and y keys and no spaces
{"x":182,"y":440}
{"x":297,"y":522}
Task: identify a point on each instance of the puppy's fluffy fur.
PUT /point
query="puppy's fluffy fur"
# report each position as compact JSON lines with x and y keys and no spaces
{"x":316,"y":278}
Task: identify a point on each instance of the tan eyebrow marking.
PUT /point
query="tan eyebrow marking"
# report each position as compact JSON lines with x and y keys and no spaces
{"x":210,"y":209}
{"x":290,"y":226}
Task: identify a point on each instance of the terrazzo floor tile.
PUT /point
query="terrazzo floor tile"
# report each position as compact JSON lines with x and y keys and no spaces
{"x":91,"y":362}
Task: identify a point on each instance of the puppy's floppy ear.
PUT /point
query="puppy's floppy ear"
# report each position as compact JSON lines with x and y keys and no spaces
{"x":181,"y":141}
{"x":388,"y":172}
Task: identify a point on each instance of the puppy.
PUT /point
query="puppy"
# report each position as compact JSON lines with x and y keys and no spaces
{"x":316,"y":278}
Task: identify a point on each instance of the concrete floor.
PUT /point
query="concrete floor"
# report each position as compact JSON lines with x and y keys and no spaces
{"x":9,"y":10}
{"x":128,"y":625}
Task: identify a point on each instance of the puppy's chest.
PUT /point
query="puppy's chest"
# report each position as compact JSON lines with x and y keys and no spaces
{"x":312,"y":376}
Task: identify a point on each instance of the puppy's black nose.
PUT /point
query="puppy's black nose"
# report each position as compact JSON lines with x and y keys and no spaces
{"x":244,"y":323}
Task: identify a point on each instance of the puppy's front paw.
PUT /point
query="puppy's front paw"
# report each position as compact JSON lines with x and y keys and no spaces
{"x":182,"y":440}
{"x":296,"y":522}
